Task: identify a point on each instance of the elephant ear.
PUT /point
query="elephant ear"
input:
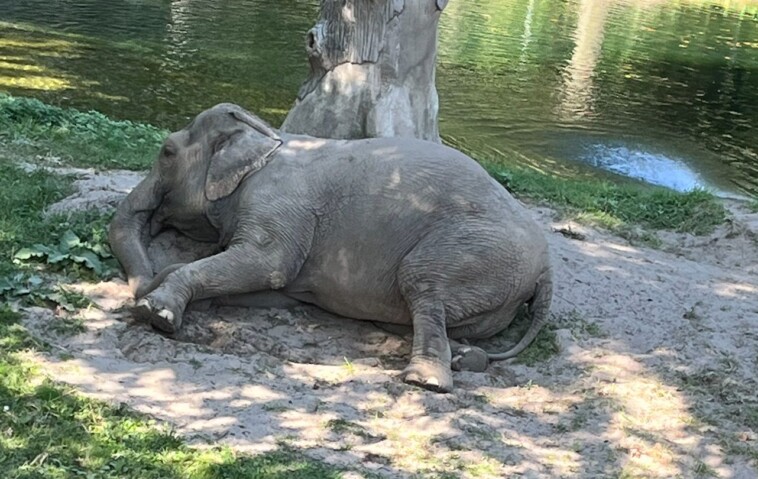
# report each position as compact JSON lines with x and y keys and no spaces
{"x":239,"y":155}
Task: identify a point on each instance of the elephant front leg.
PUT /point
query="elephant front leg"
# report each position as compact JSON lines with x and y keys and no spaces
{"x":235,"y":271}
{"x":430,"y":358}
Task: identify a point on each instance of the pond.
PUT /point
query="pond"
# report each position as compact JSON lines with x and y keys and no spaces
{"x":665,"y":91}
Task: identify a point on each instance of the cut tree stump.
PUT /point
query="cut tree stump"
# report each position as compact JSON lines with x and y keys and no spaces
{"x":372,"y":71}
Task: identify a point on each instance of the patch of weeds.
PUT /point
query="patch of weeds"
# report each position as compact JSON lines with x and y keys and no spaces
{"x":568,"y":232}
{"x":638,"y":236}
{"x":475,"y":428}
{"x":276,"y":406}
{"x":527,"y":385}
{"x":702,"y":469}
{"x":69,"y":251}
{"x":30,"y":127}
{"x":343,"y":426}
{"x":723,"y":402}
{"x":736,"y":446}
{"x":593,"y":330}
{"x":579,"y":327}
{"x":579,"y":417}
{"x":480,"y":399}
{"x":68,"y":326}
{"x":544,"y":347}
{"x":753,"y":206}
{"x":73,"y":247}
{"x":349,"y":366}
{"x":618,"y":206}
{"x":65,"y":356}
{"x":487,"y":467}
{"x":691,"y":314}
{"x":13,"y":337}
{"x":23,"y":196}
{"x":34,"y":291}
{"x":43,"y":291}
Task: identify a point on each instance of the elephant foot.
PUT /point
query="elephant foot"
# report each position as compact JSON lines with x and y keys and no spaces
{"x":429,"y":374}
{"x":160,"y":318}
{"x":469,"y":358}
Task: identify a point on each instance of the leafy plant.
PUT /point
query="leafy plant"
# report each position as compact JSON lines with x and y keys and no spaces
{"x":36,"y":290}
{"x":69,"y":250}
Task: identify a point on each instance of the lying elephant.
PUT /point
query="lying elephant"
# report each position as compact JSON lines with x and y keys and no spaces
{"x":392,"y":230}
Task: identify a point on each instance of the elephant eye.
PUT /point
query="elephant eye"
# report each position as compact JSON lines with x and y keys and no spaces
{"x":168,"y":150}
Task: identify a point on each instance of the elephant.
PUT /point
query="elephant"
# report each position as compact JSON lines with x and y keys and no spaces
{"x":392,"y":230}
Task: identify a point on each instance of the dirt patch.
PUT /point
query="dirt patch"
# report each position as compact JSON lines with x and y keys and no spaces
{"x":655,"y":375}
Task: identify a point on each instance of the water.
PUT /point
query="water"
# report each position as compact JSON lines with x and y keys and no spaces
{"x":664,"y":91}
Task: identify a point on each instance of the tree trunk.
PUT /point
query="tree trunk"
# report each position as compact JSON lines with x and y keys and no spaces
{"x":372,"y":71}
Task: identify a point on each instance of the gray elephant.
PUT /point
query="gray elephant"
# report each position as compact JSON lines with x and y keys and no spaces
{"x":392,"y":230}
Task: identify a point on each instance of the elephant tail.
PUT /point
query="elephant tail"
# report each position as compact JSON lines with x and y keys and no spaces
{"x":539,"y":309}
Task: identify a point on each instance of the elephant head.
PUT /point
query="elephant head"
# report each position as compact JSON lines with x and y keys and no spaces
{"x":201,"y":164}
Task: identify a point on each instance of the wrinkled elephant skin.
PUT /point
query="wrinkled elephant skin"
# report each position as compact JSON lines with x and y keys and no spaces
{"x":392,"y":230}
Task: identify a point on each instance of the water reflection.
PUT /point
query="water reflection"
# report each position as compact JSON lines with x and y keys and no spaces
{"x":577,"y":93}
{"x":671,"y":77}
{"x":541,"y":81}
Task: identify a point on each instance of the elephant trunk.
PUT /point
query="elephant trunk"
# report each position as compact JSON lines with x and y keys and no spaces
{"x":539,"y":309}
{"x":128,"y":233}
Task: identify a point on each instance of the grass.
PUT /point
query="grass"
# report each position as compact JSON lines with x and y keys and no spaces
{"x":342,"y":426}
{"x":37,"y":281}
{"x":23,"y":196}
{"x":617,"y":205}
{"x":544,"y":347}
{"x":579,"y":327}
{"x":87,"y":139}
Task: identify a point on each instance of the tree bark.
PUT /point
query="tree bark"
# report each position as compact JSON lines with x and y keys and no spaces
{"x":372,"y":71}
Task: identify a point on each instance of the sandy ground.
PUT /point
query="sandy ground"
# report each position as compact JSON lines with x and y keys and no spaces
{"x":656,"y":374}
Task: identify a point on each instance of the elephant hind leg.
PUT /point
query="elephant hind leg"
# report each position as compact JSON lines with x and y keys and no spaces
{"x":450,"y":289}
{"x":429,"y":366}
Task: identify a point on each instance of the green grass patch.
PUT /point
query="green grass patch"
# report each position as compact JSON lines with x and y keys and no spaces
{"x":40,"y":252}
{"x":72,"y":241}
{"x":544,"y":347}
{"x":617,"y":205}
{"x":23,"y":196}
{"x":30,"y":128}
